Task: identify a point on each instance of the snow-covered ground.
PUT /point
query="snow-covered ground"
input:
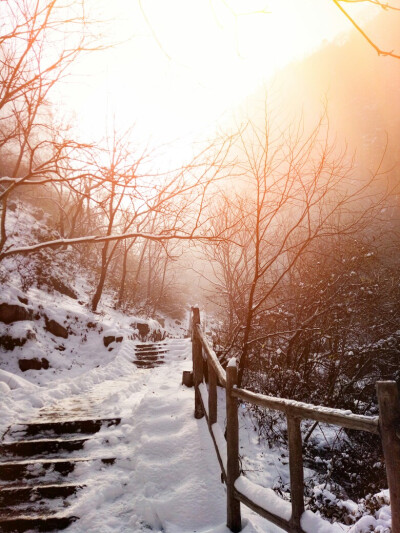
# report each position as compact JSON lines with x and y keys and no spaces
{"x":166,"y":477}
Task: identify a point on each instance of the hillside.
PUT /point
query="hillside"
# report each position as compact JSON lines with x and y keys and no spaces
{"x":47,"y":332}
{"x":84,"y":365}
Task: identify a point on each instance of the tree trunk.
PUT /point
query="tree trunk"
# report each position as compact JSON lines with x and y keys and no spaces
{"x":3,"y":232}
{"x":123,"y":275}
{"x":103,"y":274}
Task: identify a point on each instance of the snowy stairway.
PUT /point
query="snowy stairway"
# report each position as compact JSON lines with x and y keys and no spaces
{"x":150,"y":355}
{"x":34,"y":460}
{"x":28,"y":448}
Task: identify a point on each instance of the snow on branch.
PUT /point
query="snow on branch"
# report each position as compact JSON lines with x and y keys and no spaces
{"x":23,"y":250}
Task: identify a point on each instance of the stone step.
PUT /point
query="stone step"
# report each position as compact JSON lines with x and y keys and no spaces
{"x":148,"y":364}
{"x":161,"y":346}
{"x":151,"y":346}
{"x":15,"y":495}
{"x":142,"y":353}
{"x":35,"y":523}
{"x":149,"y":357}
{"x":30,"y":448}
{"x":33,"y":468}
{"x":31,"y":509}
{"x":59,"y":427}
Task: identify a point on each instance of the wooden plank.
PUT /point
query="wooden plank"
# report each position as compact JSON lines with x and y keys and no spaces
{"x":389,"y":423}
{"x":220,"y":459}
{"x":197,"y":363}
{"x":211,"y":356}
{"x":277,"y":520}
{"x":234,"y":521}
{"x":212,"y":394}
{"x":296,"y":409}
{"x":296,"y":471}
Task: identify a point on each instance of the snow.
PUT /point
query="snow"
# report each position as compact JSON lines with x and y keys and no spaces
{"x":14,"y":382}
{"x":312,"y":523}
{"x":265,"y":498}
{"x":204,"y":395}
{"x":232,"y":362}
{"x":4,"y":388}
{"x":221,"y":443}
{"x":166,"y":476}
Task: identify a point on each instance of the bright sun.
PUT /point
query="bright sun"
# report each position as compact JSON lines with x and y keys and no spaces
{"x":184,"y":65}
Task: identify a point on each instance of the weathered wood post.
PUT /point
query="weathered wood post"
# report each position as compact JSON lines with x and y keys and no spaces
{"x":296,"y":471}
{"x":389,"y":425}
{"x":197,"y":359}
{"x":234,"y":521}
{"x":212,"y":394}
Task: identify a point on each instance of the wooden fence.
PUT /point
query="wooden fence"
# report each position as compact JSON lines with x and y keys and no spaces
{"x":387,"y":425}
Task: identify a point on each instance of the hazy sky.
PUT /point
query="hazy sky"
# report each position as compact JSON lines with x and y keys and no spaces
{"x":185,"y":64}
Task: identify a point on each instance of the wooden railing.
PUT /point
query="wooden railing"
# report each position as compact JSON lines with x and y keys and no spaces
{"x":387,"y":425}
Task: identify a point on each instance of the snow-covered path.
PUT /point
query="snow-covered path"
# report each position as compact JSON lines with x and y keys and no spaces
{"x":166,"y":477}
{"x":161,"y":477}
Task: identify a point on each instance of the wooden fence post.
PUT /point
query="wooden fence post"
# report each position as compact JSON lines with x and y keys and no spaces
{"x":197,"y":359}
{"x":296,"y":471}
{"x":212,"y":394}
{"x":234,"y":521}
{"x":389,"y":424}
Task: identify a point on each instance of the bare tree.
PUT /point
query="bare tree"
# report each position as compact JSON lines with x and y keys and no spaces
{"x":294,"y":189}
{"x":173,"y":203}
{"x":39,"y":42}
{"x":385,"y":6}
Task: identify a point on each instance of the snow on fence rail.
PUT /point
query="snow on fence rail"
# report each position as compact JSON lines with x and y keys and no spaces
{"x":290,"y":517}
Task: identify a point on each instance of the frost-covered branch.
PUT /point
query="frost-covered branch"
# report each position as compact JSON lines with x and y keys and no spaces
{"x":24,"y":250}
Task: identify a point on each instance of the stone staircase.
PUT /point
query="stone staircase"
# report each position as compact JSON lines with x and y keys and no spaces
{"x":150,"y":355}
{"x":35,"y":460}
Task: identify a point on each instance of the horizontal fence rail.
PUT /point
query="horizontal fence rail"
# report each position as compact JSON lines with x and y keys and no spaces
{"x":291,"y":516}
{"x":336,"y":417}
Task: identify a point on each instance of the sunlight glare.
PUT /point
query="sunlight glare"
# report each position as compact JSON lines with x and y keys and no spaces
{"x":182,"y":66}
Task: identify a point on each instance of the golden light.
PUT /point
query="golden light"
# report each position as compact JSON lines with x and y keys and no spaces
{"x":182,"y":66}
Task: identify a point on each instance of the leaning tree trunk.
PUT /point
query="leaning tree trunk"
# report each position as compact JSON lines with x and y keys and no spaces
{"x":3,"y":231}
{"x":103,"y":274}
{"x":124,"y":273}
{"x":105,"y":261}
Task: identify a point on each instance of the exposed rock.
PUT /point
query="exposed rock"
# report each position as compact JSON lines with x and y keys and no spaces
{"x":23,"y":300}
{"x":143,"y":328}
{"x":91,"y":325}
{"x":55,"y":328}
{"x":161,"y":322}
{"x":61,"y":287}
{"x":12,"y":313}
{"x":9,"y":343}
{"x":33,"y":364}
{"x":108,"y":339}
